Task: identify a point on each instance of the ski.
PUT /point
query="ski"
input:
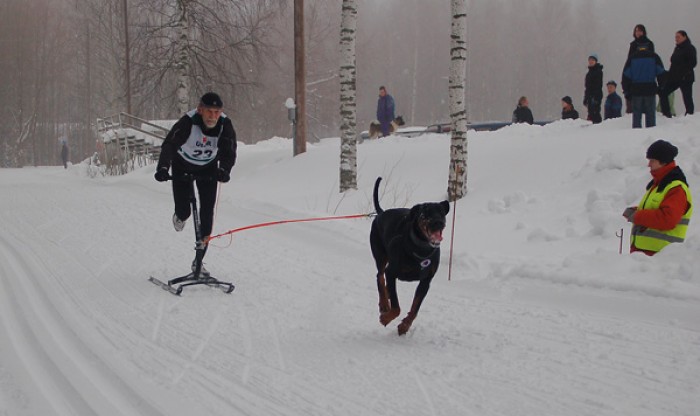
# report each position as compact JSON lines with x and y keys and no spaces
{"x":172,"y":289}
{"x":176,"y":286}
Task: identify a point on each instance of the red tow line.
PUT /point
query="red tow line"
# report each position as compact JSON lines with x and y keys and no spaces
{"x":267,"y":224}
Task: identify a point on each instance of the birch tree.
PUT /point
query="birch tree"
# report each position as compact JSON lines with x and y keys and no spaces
{"x":187,"y":47}
{"x":457,"y":182}
{"x":348,"y":108}
{"x":182,"y":60}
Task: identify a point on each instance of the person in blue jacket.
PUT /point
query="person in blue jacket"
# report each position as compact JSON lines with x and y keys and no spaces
{"x":613,"y":102}
{"x":385,"y":111}
{"x":642,"y":72}
{"x":640,"y":39}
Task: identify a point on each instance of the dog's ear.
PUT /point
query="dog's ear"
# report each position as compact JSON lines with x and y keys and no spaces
{"x":445,"y":205}
{"x":415,"y":211}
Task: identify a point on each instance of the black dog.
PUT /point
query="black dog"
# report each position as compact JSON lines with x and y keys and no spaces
{"x":406,"y":246}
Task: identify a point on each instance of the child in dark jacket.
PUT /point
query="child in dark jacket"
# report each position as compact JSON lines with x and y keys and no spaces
{"x":522,"y":113}
{"x":593,"y":94}
{"x":567,"y":109}
{"x":613,"y":103}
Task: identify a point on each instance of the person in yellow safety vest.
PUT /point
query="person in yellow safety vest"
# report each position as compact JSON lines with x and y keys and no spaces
{"x":663,"y":214}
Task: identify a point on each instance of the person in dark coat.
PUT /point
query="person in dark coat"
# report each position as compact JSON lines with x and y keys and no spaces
{"x":613,"y":102}
{"x":593,"y":94}
{"x":522,"y":113}
{"x":385,"y":111}
{"x":680,"y":74}
{"x":203,"y":143}
{"x":640,"y":38}
{"x":567,"y":109}
{"x":642,"y":71}
{"x":64,"y":155}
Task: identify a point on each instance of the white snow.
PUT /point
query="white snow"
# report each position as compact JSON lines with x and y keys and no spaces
{"x":541,"y":316}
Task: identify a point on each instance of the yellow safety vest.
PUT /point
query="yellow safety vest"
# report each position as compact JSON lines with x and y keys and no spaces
{"x":650,"y":239}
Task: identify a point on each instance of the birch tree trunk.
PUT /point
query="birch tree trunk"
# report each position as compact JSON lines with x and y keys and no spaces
{"x":457,"y":182}
{"x":348,"y":107}
{"x":182,"y":62}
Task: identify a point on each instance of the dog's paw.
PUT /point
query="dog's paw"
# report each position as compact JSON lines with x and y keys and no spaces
{"x":383,"y":306}
{"x":405,"y":325}
{"x":388,"y":316}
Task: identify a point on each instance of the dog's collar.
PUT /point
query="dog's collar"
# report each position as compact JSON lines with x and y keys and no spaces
{"x":420,"y":243}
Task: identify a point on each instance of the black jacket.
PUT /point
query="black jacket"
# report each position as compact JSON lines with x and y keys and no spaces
{"x":522,"y":114}
{"x":641,"y":41}
{"x":178,"y":135}
{"x":683,"y":60}
{"x":594,"y":84}
{"x":570,"y":114}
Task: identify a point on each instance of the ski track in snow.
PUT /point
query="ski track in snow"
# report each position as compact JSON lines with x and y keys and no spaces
{"x":84,"y":331}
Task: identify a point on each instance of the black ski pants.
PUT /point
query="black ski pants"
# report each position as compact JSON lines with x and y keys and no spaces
{"x":207,"y":188}
{"x":687,"y":91}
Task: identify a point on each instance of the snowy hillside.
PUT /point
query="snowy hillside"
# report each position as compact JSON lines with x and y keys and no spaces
{"x":541,"y":316}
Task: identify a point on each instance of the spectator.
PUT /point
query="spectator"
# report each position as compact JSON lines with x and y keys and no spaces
{"x":522,"y":113}
{"x":567,"y":109}
{"x":680,"y":74}
{"x":664,"y":212}
{"x":385,"y":111}
{"x":671,"y":103}
{"x":593,"y":93}
{"x":640,"y":38}
{"x":639,"y":82}
{"x":64,"y":155}
{"x":613,"y":102}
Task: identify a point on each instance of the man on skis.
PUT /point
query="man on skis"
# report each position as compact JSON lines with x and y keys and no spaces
{"x":201,"y":143}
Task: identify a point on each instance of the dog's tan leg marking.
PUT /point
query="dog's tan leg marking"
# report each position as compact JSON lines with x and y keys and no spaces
{"x":383,"y":296}
{"x":406,"y":323}
{"x":388,"y":316}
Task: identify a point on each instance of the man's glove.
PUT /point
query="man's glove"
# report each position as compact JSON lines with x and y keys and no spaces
{"x":222,"y":176}
{"x":162,"y":175}
{"x":629,"y":213}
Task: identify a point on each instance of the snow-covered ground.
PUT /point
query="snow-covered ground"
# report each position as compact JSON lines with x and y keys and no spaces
{"x":541,"y":316}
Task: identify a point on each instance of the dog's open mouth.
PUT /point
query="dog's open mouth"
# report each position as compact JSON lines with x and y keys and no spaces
{"x":435,"y":238}
{"x":432,"y":230}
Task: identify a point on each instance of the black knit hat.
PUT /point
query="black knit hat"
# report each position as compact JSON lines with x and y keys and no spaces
{"x":212,"y":100}
{"x":662,"y":151}
{"x":567,"y":100}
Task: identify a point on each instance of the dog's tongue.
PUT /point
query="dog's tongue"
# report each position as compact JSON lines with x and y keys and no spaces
{"x":436,"y":236}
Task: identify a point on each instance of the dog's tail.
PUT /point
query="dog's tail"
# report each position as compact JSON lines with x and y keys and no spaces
{"x":376,"y":196}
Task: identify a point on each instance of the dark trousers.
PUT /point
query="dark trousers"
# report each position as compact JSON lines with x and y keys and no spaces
{"x":207,"y":188}
{"x":594,"y":111}
{"x":386,"y":127}
{"x":644,"y":105}
{"x":687,"y":91}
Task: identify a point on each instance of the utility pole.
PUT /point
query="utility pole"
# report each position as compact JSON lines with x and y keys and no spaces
{"x":128,"y":59}
{"x":299,"y":78}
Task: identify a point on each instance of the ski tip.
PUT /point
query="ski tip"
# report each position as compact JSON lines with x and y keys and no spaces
{"x":165,"y":286}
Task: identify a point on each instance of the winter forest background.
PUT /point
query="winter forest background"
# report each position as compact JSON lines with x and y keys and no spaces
{"x":63,"y":61}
